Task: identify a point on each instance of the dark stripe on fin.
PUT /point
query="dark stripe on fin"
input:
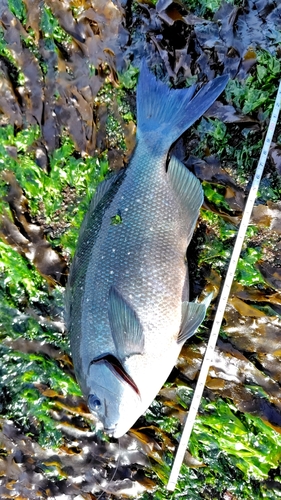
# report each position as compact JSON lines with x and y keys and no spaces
{"x":171,"y":111}
{"x":125,"y":326}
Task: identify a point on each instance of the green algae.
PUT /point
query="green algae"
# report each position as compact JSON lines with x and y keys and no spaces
{"x":115,"y":133}
{"x":259,"y":90}
{"x":227,"y":443}
{"x":119,"y":112}
{"x":214,"y":194}
{"x":20,"y":376}
{"x":25,"y":294}
{"x":204,"y":7}
{"x":15,"y":71}
{"x":213,"y":135}
{"x":224,"y":230}
{"x":247,"y":273}
{"x":18,"y":8}
{"x":46,"y":190}
{"x":21,"y":281}
{"x":129,"y":78}
{"x":253,"y":446}
{"x":51,"y":28}
{"x":116,"y":220}
{"x":238,"y":450}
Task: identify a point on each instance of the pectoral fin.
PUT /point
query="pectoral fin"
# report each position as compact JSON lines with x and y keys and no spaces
{"x":125,"y":326}
{"x":193,"y":314}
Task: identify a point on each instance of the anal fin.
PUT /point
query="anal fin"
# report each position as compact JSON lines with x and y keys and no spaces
{"x":193,"y":313}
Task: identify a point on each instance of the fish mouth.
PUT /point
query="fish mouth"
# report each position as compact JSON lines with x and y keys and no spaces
{"x":110,"y":430}
{"x":116,"y":367}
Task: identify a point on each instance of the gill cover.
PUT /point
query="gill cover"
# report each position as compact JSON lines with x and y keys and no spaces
{"x":111,"y":393}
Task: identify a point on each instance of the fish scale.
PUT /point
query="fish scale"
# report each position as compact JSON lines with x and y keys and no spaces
{"x":127,"y":309}
{"x":135,"y":248}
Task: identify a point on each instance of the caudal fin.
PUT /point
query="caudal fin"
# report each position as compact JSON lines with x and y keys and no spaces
{"x":172,"y":111}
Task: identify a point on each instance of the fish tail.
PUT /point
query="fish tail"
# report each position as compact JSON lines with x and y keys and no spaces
{"x":172,"y":111}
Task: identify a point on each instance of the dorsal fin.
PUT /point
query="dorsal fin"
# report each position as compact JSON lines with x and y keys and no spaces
{"x":186,"y":186}
{"x":188,"y":191}
{"x":103,"y":188}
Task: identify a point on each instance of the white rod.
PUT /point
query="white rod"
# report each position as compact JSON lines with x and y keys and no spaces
{"x":189,"y":423}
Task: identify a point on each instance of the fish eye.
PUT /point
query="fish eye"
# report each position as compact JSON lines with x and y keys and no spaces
{"x":94,"y":402}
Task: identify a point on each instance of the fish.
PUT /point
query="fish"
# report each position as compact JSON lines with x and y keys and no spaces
{"x":127,"y":307}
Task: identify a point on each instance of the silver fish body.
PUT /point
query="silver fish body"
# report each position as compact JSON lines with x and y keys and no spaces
{"x":127,"y":309}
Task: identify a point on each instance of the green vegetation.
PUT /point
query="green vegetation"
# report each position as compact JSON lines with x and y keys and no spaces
{"x":120,"y":115}
{"x":214,"y":194}
{"x":204,"y":7}
{"x":217,"y":250}
{"x":116,"y":220}
{"x":259,"y":90}
{"x":51,"y":27}
{"x":213,"y":134}
{"x":15,"y":71}
{"x":224,"y":230}
{"x":257,"y":93}
{"x":22,"y":281}
{"x":21,"y":377}
{"x":115,"y":133}
{"x":226,"y":443}
{"x":47,"y":192}
{"x":246,"y":273}
{"x":21,"y":312}
{"x":17,"y":7}
{"x":237,"y":451}
{"x":129,"y":78}
{"x":240,"y":157}
{"x":24,"y":292}
{"x":253,"y":446}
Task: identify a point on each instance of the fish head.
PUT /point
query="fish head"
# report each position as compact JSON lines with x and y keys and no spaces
{"x":112,"y":396}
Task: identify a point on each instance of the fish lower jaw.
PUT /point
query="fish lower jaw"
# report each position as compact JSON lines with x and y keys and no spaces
{"x":110,"y":432}
{"x":122,"y":428}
